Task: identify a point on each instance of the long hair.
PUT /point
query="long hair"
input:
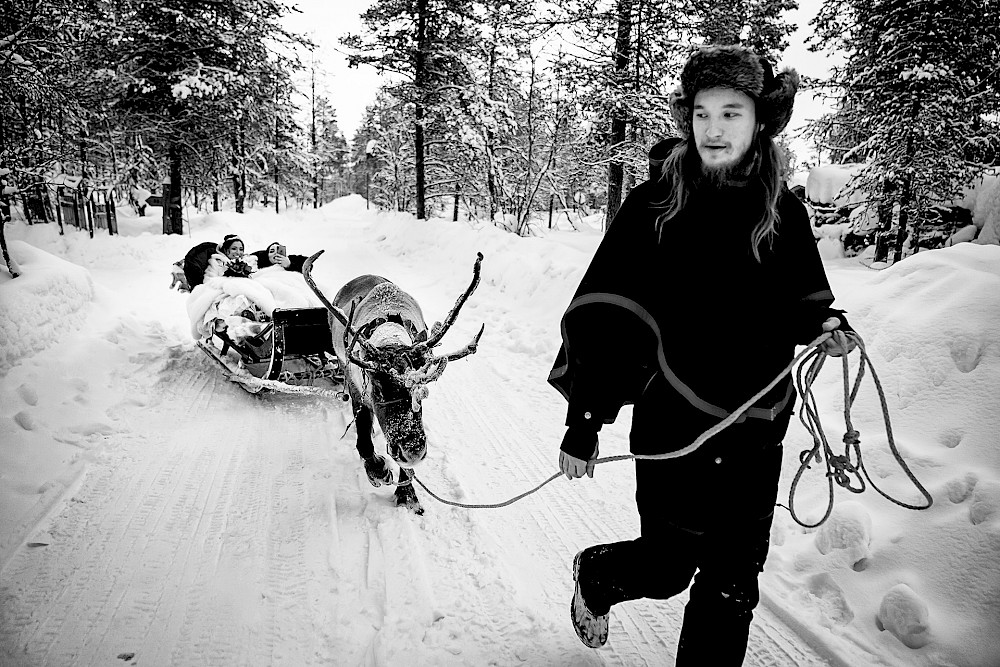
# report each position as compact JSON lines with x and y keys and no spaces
{"x":682,"y":170}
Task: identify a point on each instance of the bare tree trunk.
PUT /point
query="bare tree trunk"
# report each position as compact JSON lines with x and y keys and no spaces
{"x":239,"y":184}
{"x":523,"y":204}
{"x":315,"y":173}
{"x":905,"y":197}
{"x":491,"y":176}
{"x":277,"y":133}
{"x":616,"y":169}
{"x":173,"y":220}
{"x":420,"y":81}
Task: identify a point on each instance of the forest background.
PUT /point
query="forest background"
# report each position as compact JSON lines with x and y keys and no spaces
{"x":496,"y":110}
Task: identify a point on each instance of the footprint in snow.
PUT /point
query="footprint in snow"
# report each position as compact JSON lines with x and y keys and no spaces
{"x":28,"y":394}
{"x":959,"y":489}
{"x":904,"y":614}
{"x":849,"y":529}
{"x":828,"y":598}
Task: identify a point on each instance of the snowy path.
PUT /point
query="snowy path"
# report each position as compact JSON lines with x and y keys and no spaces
{"x":220,"y":528}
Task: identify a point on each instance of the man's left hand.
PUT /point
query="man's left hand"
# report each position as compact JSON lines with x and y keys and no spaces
{"x":838,"y":343}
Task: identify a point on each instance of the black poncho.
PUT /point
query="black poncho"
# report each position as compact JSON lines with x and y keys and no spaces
{"x":693,"y":324}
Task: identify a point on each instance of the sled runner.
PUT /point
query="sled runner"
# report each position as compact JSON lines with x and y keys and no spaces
{"x":294,"y":349}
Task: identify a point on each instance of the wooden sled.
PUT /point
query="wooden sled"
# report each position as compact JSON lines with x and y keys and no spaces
{"x":292,"y":354}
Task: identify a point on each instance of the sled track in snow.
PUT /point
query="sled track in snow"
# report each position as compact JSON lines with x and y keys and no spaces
{"x":225,"y":528}
{"x":185,"y":539}
{"x":520,"y":457}
{"x":492,"y":414}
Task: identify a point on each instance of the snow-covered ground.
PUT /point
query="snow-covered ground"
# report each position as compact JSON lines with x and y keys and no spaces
{"x":153,"y":513}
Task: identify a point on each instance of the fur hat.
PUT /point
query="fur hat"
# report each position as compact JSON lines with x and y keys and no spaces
{"x":228,"y":241}
{"x":741,"y":69}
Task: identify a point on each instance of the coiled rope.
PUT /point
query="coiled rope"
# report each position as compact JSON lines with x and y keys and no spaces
{"x":839,"y":468}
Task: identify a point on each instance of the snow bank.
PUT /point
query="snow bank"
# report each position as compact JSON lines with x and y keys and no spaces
{"x":48,"y":301}
{"x":986,"y":214}
{"x":930,"y":326}
{"x":983,"y":197}
{"x":537,"y":274}
{"x":829,"y":184}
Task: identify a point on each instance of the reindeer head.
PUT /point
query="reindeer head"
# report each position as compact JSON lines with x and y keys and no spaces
{"x":391,"y":365}
{"x":393,"y":378}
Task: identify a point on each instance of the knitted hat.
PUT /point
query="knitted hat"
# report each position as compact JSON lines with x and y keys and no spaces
{"x":738,"y":68}
{"x":228,"y":241}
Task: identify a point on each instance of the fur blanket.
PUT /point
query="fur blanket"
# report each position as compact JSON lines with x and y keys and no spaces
{"x":219,"y":303}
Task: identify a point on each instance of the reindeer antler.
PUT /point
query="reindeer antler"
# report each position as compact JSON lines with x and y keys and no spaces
{"x":349,"y":348}
{"x":438,"y":332}
{"x":337,"y":312}
{"x":467,"y":350}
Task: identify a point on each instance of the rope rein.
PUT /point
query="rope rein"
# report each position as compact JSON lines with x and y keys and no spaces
{"x":839,"y":468}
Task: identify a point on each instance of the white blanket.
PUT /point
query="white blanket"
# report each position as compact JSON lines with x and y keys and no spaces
{"x":216,"y":304}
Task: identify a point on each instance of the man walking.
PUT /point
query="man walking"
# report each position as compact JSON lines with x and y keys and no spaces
{"x":705,"y":282}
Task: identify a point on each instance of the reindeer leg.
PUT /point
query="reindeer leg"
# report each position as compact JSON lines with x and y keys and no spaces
{"x":406,"y":495}
{"x":376,"y":468}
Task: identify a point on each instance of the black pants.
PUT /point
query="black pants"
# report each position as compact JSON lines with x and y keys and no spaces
{"x":705,"y":513}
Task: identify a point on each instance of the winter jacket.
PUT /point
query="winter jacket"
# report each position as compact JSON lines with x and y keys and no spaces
{"x":689,"y":328}
{"x":196,"y":261}
{"x":295,"y":261}
{"x":218,"y":264}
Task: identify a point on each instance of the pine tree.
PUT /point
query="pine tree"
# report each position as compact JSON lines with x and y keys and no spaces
{"x":55,"y":78}
{"x":203,"y":70}
{"x":329,"y":154}
{"x":416,"y":39}
{"x":917,"y":98}
{"x":631,"y":53}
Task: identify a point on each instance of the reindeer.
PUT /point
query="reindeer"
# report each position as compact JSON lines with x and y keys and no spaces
{"x":388,"y":376}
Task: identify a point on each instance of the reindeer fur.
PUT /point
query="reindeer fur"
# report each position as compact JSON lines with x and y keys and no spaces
{"x":387,"y":354}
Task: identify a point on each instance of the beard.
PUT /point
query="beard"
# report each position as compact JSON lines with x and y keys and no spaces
{"x":735,"y":173}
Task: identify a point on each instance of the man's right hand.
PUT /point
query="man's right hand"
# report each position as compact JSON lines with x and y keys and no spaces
{"x":570,"y":465}
{"x":573,"y":467}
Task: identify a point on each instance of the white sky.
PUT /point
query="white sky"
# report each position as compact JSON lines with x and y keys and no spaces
{"x":351,"y":90}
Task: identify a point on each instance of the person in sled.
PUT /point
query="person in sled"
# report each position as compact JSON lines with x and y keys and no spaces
{"x":276,"y":255}
{"x":195,"y":262}
{"x":687,"y":337}
{"x":229,"y":262}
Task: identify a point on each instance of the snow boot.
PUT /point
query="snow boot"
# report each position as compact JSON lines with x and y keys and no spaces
{"x":591,"y":628}
{"x":378,"y":472}
{"x":407,"y":497}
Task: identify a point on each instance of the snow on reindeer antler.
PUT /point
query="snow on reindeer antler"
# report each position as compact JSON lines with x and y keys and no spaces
{"x":441,"y":328}
{"x":434,"y":365}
